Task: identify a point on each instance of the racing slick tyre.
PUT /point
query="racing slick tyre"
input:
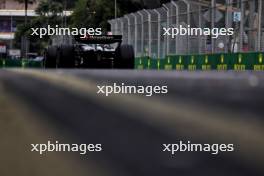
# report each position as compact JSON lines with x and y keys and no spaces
{"x":125,"y":57}
{"x":66,"y":57}
{"x":51,"y":57}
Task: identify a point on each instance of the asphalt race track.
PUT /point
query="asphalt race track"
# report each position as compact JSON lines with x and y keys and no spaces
{"x":201,"y":107}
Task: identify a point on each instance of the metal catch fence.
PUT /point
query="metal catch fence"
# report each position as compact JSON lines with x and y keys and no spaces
{"x":145,"y":29}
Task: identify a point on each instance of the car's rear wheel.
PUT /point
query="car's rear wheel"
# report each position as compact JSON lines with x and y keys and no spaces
{"x":125,"y":57}
{"x":51,"y":57}
{"x":66,"y":57}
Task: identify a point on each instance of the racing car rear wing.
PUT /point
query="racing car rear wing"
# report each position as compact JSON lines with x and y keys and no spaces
{"x":102,"y":39}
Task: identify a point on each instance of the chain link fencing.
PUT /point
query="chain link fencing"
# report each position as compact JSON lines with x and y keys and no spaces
{"x":144,"y":29}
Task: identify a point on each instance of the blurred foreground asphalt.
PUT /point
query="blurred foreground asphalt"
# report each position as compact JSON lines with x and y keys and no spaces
{"x":202,"y":107}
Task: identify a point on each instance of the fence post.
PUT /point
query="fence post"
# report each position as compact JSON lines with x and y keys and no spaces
{"x":188,"y":23}
{"x":128,"y":30}
{"x":149,"y":32}
{"x":142,"y":32}
{"x":167,"y":26}
{"x":136,"y":32}
{"x":259,"y":24}
{"x":213,"y":6}
{"x":228,"y":24}
{"x":200,"y":25}
{"x":177,"y":24}
{"x":241,"y":38}
{"x":159,"y":31}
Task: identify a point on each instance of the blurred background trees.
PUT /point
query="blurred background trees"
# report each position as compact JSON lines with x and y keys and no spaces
{"x":86,"y":13}
{"x":96,"y":13}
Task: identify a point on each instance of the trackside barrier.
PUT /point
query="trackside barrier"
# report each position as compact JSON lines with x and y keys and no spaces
{"x":236,"y":61}
{"x":11,"y":63}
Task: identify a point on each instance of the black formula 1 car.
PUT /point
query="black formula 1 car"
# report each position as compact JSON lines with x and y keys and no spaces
{"x":91,"y":52}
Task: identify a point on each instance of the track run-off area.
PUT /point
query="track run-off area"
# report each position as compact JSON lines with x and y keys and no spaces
{"x":64,"y":105}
